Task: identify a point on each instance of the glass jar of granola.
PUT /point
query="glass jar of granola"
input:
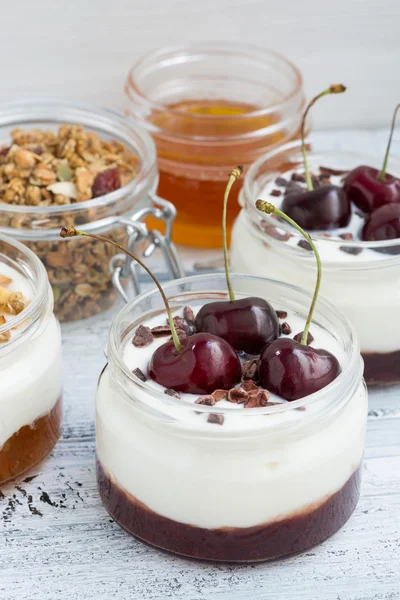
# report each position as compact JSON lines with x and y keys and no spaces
{"x":67,"y":164}
{"x":30,"y":361}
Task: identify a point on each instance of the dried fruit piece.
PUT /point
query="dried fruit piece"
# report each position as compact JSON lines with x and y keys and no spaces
{"x":105,"y":182}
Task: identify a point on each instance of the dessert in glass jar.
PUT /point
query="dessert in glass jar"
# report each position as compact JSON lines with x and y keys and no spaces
{"x":209,"y":463}
{"x":354,"y":220}
{"x":65,"y":163}
{"x":209,"y":106}
{"x":30,"y":361}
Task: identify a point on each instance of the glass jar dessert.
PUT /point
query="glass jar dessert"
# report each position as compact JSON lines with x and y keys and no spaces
{"x":361,"y":278}
{"x":65,"y":163}
{"x":30,"y":361}
{"x":200,"y":460}
{"x":208,"y":107}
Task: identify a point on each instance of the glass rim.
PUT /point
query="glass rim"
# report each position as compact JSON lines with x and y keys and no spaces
{"x":41,"y":292}
{"x":21,"y":110}
{"x":230,"y":49}
{"x":115,"y":356}
{"x":255,"y":215}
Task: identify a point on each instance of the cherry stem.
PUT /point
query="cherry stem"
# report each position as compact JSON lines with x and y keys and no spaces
{"x":235,"y":174}
{"x":337,"y":88}
{"x":269,"y":208}
{"x":382,"y":174}
{"x":69,"y":232}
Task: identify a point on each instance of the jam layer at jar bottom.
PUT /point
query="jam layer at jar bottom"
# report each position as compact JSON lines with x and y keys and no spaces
{"x":230,"y":544}
{"x":381,"y":369}
{"x":30,"y":444}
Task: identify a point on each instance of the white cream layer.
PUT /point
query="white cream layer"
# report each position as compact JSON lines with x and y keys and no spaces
{"x":30,"y":374}
{"x":253,"y":469}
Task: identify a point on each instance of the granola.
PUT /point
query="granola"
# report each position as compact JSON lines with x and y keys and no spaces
{"x":42,"y":168}
{"x":11,"y":303}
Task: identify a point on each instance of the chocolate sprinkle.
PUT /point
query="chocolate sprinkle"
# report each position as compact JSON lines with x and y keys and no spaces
{"x":139,"y":374}
{"x":281,"y":314}
{"x":298,"y":336}
{"x":281,"y":181}
{"x":188,"y":315}
{"x":329,"y":171}
{"x":348,"y":237}
{"x":276,"y":193}
{"x":205,"y":400}
{"x":304,"y":244}
{"x":282,"y":236}
{"x":286,"y":329}
{"x":143,"y":337}
{"x":298,"y":177}
{"x":172,"y":393}
{"x":214,"y":418}
{"x":161,"y":330}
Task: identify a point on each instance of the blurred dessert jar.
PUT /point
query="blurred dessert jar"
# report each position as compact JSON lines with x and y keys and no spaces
{"x":67,"y":164}
{"x":30,"y":361}
{"x":361,"y":277}
{"x":209,"y":107}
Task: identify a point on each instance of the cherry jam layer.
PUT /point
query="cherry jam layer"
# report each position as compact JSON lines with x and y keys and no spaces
{"x":30,"y":444}
{"x":230,"y":544}
{"x":381,"y":368}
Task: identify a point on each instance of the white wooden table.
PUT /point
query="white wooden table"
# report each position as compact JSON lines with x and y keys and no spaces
{"x":58,"y":542}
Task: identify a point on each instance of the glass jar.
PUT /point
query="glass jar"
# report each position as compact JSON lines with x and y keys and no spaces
{"x":81,"y":270}
{"x":269,"y":482}
{"x":30,"y":366}
{"x":361,"y":278}
{"x":209,"y":107}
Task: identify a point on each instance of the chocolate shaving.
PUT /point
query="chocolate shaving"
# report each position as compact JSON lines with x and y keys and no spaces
{"x":143,"y":337}
{"x":188,"y":315}
{"x":348,"y":237}
{"x":281,"y":314}
{"x":257,"y":399}
{"x":324,"y":177}
{"x":161,"y":330}
{"x":172,"y":393}
{"x":205,"y":400}
{"x":329,"y":171}
{"x":220,"y":395}
{"x":214,"y":418}
{"x":304,"y":244}
{"x":286,"y":329}
{"x":298,"y":336}
{"x":281,"y":181}
{"x":298,"y":177}
{"x":276,"y":193}
{"x":237,"y":396}
{"x":139,"y":374}
{"x":282,"y":236}
{"x":326,"y":236}
{"x":249,"y":369}
{"x":249,"y":386}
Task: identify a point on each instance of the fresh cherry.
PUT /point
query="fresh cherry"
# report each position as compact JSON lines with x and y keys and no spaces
{"x":368,"y":192}
{"x":369,"y":188}
{"x":206,"y":363}
{"x":292,"y":370}
{"x":247,"y":324}
{"x":383,"y":224}
{"x":326,"y":207}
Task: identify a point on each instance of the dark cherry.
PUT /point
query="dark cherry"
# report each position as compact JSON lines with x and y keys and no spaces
{"x":247,"y":324}
{"x":206,"y":363}
{"x":363,"y":187}
{"x":292,"y":370}
{"x":383,"y":224}
{"x":326,"y":207}
{"x":105,"y":182}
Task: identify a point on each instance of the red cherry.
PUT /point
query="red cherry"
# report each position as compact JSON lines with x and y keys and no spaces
{"x":206,"y":363}
{"x":326,"y":207}
{"x":105,"y":182}
{"x":247,"y":324}
{"x":383,"y":224}
{"x":292,"y":370}
{"x":363,"y":187}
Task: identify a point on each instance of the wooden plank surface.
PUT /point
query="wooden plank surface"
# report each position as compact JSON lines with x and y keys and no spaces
{"x":58,"y":543}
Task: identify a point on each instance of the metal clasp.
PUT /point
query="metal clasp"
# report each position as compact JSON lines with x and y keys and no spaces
{"x":122,"y":266}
